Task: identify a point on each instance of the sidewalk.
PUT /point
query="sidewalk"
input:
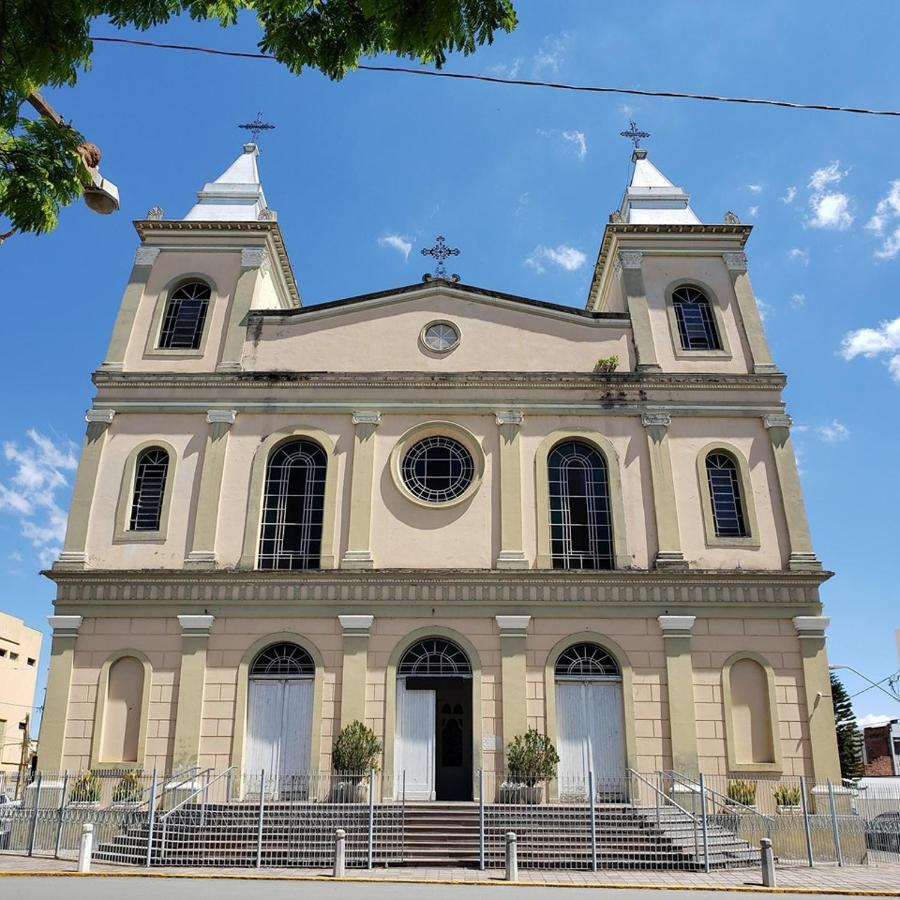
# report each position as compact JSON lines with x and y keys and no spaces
{"x":884,"y":879}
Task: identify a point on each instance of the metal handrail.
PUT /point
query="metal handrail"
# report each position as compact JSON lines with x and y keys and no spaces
{"x":200,"y":790}
{"x":169,"y":784}
{"x":728,"y":801}
{"x":665,"y":797}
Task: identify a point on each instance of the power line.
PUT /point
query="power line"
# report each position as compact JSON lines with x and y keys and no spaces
{"x":554,"y":85}
{"x":877,"y":684}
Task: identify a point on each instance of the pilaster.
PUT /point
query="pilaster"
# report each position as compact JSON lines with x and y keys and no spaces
{"x":74,"y":546}
{"x":355,"y":631}
{"x":680,"y":686}
{"x":191,"y":685}
{"x":669,"y":554}
{"x":817,"y":690}
{"x":512,"y":553}
{"x":203,"y":542}
{"x":513,"y":667}
{"x":52,"y":738}
{"x":638,"y":310}
{"x":760,"y":357}
{"x":802,"y":558}
{"x":254,"y":263}
{"x":359,"y":530}
{"x":144,"y":258}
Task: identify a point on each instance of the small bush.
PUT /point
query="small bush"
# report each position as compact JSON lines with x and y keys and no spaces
{"x":356,"y":749}
{"x":607,"y":364}
{"x":743,"y":792}
{"x":85,"y":789}
{"x":531,"y":757}
{"x":128,"y":789}
{"x":787,"y":795}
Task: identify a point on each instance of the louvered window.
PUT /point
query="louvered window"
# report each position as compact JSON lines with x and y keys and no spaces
{"x":293,"y":507}
{"x":725,"y":496}
{"x":182,"y":326}
{"x":150,"y":472}
{"x":694,"y":315}
{"x":580,"y":520}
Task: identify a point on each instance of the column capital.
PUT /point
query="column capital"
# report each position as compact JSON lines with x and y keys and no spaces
{"x":630,"y":259}
{"x":145,"y":256}
{"x":255,"y":258}
{"x":648,"y":420}
{"x":221,"y":416}
{"x":811,"y":626}
{"x":99,"y":416}
{"x":735,"y":261}
{"x":366,"y":417}
{"x":512,"y":626}
{"x":65,"y":626}
{"x":509,"y":416}
{"x":777,"y":420}
{"x":676,"y":626}
{"x":196,"y":626}
{"x":356,"y":626}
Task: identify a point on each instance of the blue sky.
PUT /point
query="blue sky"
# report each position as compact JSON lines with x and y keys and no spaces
{"x":365,"y":172}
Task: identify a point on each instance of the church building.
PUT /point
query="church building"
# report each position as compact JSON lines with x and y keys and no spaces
{"x":446,"y":511}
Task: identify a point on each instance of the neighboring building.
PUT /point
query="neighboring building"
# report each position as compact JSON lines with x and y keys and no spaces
{"x":881,"y":748}
{"x":20,"y":650}
{"x":449,"y":512}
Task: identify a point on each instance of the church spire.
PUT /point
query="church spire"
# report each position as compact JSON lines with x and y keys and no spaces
{"x":651,"y":199}
{"x":235,"y":196}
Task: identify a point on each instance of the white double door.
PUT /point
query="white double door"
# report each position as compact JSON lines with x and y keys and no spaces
{"x":590,"y":733}
{"x":279,"y":727}
{"x":415,"y":743}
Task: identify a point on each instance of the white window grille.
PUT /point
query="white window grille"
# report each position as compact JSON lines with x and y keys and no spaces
{"x":434,"y":656}
{"x":587,"y":662}
{"x":437,"y":469}
{"x":284,"y":660}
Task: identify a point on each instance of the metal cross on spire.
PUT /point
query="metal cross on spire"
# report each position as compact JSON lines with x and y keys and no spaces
{"x":440,"y":251}
{"x":634,"y":134}
{"x":256,"y":126}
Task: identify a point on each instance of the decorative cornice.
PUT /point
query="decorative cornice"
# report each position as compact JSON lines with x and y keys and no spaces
{"x":196,"y":626}
{"x":255,"y":258}
{"x":356,"y":626}
{"x":649,"y":420}
{"x":777,"y":420}
{"x":509,"y":417}
{"x":99,"y":416}
{"x":221,"y":416}
{"x":366,"y":417}
{"x":65,"y":626}
{"x":811,"y":626}
{"x":630,"y":259}
{"x":145,"y":256}
{"x":512,"y":626}
{"x":735,"y":261}
{"x":676,"y":626}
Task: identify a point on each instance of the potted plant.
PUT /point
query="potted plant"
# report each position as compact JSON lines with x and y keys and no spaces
{"x":606,"y":364}
{"x":742,"y":794}
{"x":354,"y":755}
{"x":129,"y":790}
{"x":85,"y":789}
{"x":531,"y":760}
{"x":787,"y":798}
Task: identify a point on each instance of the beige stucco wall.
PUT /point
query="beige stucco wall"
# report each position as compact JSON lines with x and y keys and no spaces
{"x":18,"y":678}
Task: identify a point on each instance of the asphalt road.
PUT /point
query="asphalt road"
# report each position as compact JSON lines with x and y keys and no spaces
{"x":56,"y":888}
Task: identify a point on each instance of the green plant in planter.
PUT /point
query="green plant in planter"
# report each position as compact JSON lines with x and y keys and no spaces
{"x":531,"y":757}
{"x":743,"y":792}
{"x":128,"y":789}
{"x":356,"y":750}
{"x":786,"y":795}
{"x":606,"y":364}
{"x":85,"y":789}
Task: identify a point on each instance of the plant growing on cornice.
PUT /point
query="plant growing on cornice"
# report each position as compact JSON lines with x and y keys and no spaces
{"x":356,"y":749}
{"x":607,"y":364}
{"x":531,"y":757}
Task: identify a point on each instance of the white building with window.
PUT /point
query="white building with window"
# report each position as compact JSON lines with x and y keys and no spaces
{"x":445,"y":511}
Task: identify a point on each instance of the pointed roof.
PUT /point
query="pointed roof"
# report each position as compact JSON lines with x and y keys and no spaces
{"x":235,"y":196}
{"x":651,"y":199}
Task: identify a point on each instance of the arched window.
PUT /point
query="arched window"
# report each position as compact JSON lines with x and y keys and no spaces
{"x":283,"y":661}
{"x":434,"y":656}
{"x":694,"y":315}
{"x":751,"y":720}
{"x":122,"y":718}
{"x":725,"y":496}
{"x":185,"y":314}
{"x":580,"y":520}
{"x":293,"y":507}
{"x":587,"y":662}
{"x":150,"y":472}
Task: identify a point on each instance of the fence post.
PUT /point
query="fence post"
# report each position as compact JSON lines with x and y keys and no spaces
{"x":704,"y":824}
{"x":804,"y":803}
{"x":205,"y":799}
{"x":262,"y":805}
{"x":591,"y":798}
{"x":512,"y":857}
{"x":834,"y":825}
{"x":659,"y":788}
{"x":62,"y":808}
{"x":403,"y":816}
{"x":371,"y":816}
{"x":481,"y":819}
{"x":767,"y":858}
{"x":86,"y":847}
{"x":151,"y":819}
{"x":340,"y":853}
{"x":34,"y":818}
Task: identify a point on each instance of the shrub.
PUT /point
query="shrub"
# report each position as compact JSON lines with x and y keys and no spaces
{"x":356,"y":749}
{"x":787,"y":795}
{"x":607,"y":364}
{"x":743,"y":792}
{"x":85,"y":789}
{"x":531,"y":757}
{"x":128,"y":789}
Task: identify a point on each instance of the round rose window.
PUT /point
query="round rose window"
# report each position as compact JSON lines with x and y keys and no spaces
{"x":440,"y":337}
{"x":437,"y":469}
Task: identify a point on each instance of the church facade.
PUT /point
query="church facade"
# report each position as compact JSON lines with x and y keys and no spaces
{"x":445,"y":511}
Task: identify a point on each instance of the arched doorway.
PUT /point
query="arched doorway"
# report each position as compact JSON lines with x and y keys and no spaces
{"x":590,"y":719}
{"x":279,"y":712}
{"x":434,"y":721}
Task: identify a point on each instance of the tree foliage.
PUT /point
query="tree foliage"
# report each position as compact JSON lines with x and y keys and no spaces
{"x":848,"y":736}
{"x":48,"y":43}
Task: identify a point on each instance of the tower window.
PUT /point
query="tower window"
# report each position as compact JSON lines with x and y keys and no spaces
{"x":696,"y":326}
{"x":725,"y":496}
{"x":185,"y":314}
{"x":150,"y":473}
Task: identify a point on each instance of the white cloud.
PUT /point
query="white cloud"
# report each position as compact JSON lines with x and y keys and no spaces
{"x":789,"y":195}
{"x":871,"y":719}
{"x":798,"y":255}
{"x":764,"y":308}
{"x":826,"y":176}
{"x":829,"y":208}
{"x":874,"y":342}
{"x":753,"y":212}
{"x":30,"y":494}
{"x":565,"y":257}
{"x":506,"y":70}
{"x":552,"y":51}
{"x":833,"y":433}
{"x":577,"y":138}
{"x":755,"y":188}
{"x":885,"y":216}
{"x":398,"y":242}
{"x":798,"y":299}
